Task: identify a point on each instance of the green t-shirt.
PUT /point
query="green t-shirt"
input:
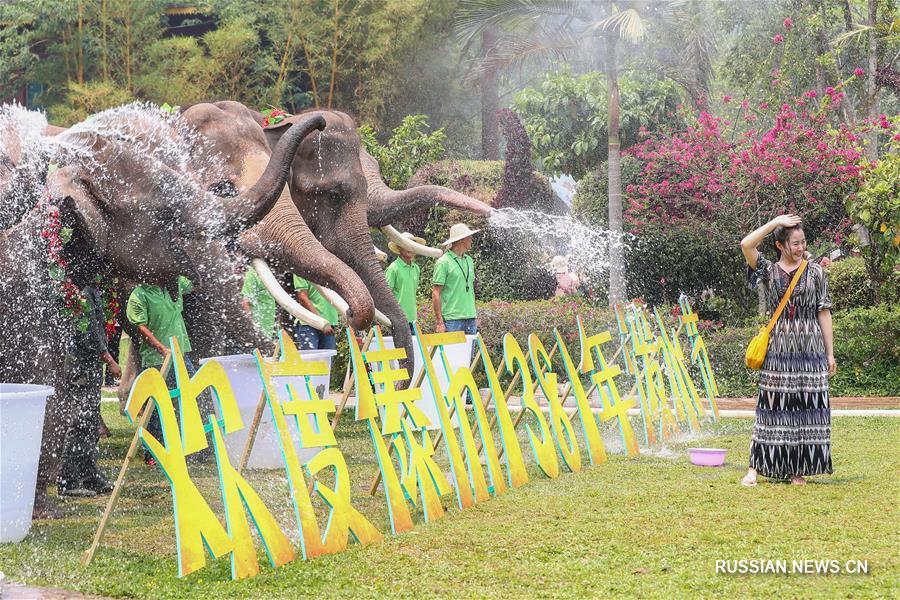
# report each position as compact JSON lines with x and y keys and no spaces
{"x":152,"y":306}
{"x":403,"y":280}
{"x":262,"y":304}
{"x":323,"y":306}
{"x":457,"y":275}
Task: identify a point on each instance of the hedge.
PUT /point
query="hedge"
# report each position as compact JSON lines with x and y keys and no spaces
{"x":866,"y":348}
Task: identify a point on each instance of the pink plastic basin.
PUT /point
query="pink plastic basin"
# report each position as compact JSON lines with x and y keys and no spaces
{"x":707,"y":457}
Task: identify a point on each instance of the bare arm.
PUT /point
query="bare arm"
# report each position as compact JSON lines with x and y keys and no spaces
{"x":151,"y":339}
{"x":436,"y":306}
{"x":824,"y":318}
{"x":303,"y":299}
{"x":753,"y":239}
{"x":111,"y":364}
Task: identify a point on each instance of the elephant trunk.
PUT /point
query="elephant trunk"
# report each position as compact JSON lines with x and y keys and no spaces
{"x":247,"y":209}
{"x":358,"y":252}
{"x":284,"y":239}
{"x":386,"y":206}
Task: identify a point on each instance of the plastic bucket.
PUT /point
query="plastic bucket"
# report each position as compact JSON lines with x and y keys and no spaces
{"x":457,"y":357}
{"x":21,"y":426}
{"x":245,"y":382}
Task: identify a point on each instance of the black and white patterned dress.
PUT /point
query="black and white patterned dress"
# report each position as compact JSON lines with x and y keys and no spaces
{"x":792,"y":434}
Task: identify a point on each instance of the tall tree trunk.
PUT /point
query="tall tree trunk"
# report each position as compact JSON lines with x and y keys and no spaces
{"x":334,"y":54}
{"x":128,"y":49}
{"x":872,"y":104}
{"x":80,"y":62}
{"x":616,"y":252}
{"x":490,"y":99}
{"x":104,"y":56}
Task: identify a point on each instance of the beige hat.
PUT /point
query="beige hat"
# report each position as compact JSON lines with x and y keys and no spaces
{"x":560,"y":264}
{"x":460,"y":231}
{"x":393,"y":247}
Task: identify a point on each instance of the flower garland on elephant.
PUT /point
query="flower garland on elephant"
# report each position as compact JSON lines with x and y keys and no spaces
{"x":74,"y":303}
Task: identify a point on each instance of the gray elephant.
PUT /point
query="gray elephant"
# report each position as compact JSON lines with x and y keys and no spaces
{"x":128,"y":192}
{"x":337,"y":187}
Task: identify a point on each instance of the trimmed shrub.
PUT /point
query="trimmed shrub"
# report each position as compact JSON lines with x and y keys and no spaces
{"x":590,"y":204}
{"x":849,"y":285}
{"x":865,"y":348}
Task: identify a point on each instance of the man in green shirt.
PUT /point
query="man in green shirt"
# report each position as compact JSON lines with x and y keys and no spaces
{"x":258,"y":302}
{"x":453,"y":284}
{"x":403,"y":277}
{"x":156,"y":313}
{"x":307,"y":336}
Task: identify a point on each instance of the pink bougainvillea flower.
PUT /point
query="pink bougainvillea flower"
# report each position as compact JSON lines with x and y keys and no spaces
{"x":829,"y":90}
{"x":788,"y":24}
{"x":811,"y":94}
{"x":763,"y":105}
{"x":777,"y":39}
{"x":726,"y":98}
{"x":858,"y":72}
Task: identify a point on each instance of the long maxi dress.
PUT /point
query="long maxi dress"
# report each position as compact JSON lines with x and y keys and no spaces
{"x":792,"y":433}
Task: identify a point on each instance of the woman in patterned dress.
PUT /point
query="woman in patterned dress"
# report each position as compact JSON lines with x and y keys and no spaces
{"x":792,"y":433}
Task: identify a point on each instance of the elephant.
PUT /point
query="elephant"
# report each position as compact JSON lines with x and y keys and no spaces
{"x":127,"y":189}
{"x":337,"y":188}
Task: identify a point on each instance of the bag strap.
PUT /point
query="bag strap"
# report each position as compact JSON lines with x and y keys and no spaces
{"x":787,"y":296}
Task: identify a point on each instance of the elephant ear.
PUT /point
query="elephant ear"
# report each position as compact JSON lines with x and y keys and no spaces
{"x":69,"y":191}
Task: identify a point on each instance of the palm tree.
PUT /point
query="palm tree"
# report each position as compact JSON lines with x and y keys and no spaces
{"x":536,"y":28}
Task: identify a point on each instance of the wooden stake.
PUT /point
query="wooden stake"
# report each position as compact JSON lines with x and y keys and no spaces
{"x":120,"y":480}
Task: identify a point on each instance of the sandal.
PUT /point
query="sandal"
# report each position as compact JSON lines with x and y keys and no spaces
{"x":797,"y":480}
{"x":749,"y":480}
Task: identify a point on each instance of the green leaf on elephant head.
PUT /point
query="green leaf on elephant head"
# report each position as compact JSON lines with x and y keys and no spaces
{"x":65,"y":234}
{"x":57,"y":273}
{"x":82,"y":324}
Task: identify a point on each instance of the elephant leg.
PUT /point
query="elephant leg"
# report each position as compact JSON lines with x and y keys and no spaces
{"x":57,"y":418}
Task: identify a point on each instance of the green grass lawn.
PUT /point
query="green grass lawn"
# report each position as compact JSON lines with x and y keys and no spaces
{"x":650,"y":527}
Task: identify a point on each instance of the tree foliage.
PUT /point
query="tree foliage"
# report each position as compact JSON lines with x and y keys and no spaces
{"x":409,"y":148}
{"x":566,"y":116}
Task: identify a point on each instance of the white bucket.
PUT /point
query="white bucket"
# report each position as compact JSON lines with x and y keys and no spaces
{"x":245,"y":382}
{"x":21,"y":426}
{"x":458,"y":356}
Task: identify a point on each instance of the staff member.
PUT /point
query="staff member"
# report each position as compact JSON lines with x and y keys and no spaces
{"x":307,"y":336}
{"x":403,"y":277}
{"x":453,"y":284}
{"x":257,"y":301}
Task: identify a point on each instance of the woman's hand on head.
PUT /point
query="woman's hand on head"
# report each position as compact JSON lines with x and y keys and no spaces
{"x":787,"y":221}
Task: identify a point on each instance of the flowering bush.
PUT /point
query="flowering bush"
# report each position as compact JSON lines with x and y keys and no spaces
{"x":716,"y":173}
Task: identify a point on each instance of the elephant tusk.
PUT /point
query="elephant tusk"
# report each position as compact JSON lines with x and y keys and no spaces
{"x":408,"y":244}
{"x":284,"y":299}
{"x":381,"y":254}
{"x":339,"y":303}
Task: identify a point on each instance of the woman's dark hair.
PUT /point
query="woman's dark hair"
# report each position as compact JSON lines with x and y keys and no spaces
{"x":783,"y":234}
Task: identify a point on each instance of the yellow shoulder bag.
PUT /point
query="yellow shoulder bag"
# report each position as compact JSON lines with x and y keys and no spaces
{"x":756,"y":351}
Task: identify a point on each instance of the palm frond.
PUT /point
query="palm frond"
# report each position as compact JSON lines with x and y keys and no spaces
{"x":473,"y":16}
{"x":545,"y":48}
{"x":628,"y":24}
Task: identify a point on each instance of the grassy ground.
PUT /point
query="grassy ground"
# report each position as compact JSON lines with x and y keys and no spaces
{"x":649,"y":527}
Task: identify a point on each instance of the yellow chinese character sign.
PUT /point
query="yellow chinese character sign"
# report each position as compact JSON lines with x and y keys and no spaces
{"x":475,"y":431}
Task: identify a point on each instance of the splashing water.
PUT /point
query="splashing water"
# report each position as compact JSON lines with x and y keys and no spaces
{"x":587,"y":247}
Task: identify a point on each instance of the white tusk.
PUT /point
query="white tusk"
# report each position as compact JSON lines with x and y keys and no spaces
{"x":339,"y":303}
{"x":284,"y":299}
{"x":410,"y":245}
{"x":381,"y":254}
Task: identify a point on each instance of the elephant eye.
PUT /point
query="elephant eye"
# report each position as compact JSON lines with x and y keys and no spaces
{"x":224,"y":189}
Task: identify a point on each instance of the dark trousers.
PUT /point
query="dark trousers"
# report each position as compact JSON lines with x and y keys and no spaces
{"x":81,"y":447}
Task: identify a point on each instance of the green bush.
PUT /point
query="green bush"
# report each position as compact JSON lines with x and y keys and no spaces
{"x":849,"y":285}
{"x":865,"y":348}
{"x":590,"y":204}
{"x":507,"y":267}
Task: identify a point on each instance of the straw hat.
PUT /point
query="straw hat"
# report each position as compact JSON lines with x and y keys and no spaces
{"x":560,"y":264}
{"x":393,"y":247}
{"x":460,"y":231}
